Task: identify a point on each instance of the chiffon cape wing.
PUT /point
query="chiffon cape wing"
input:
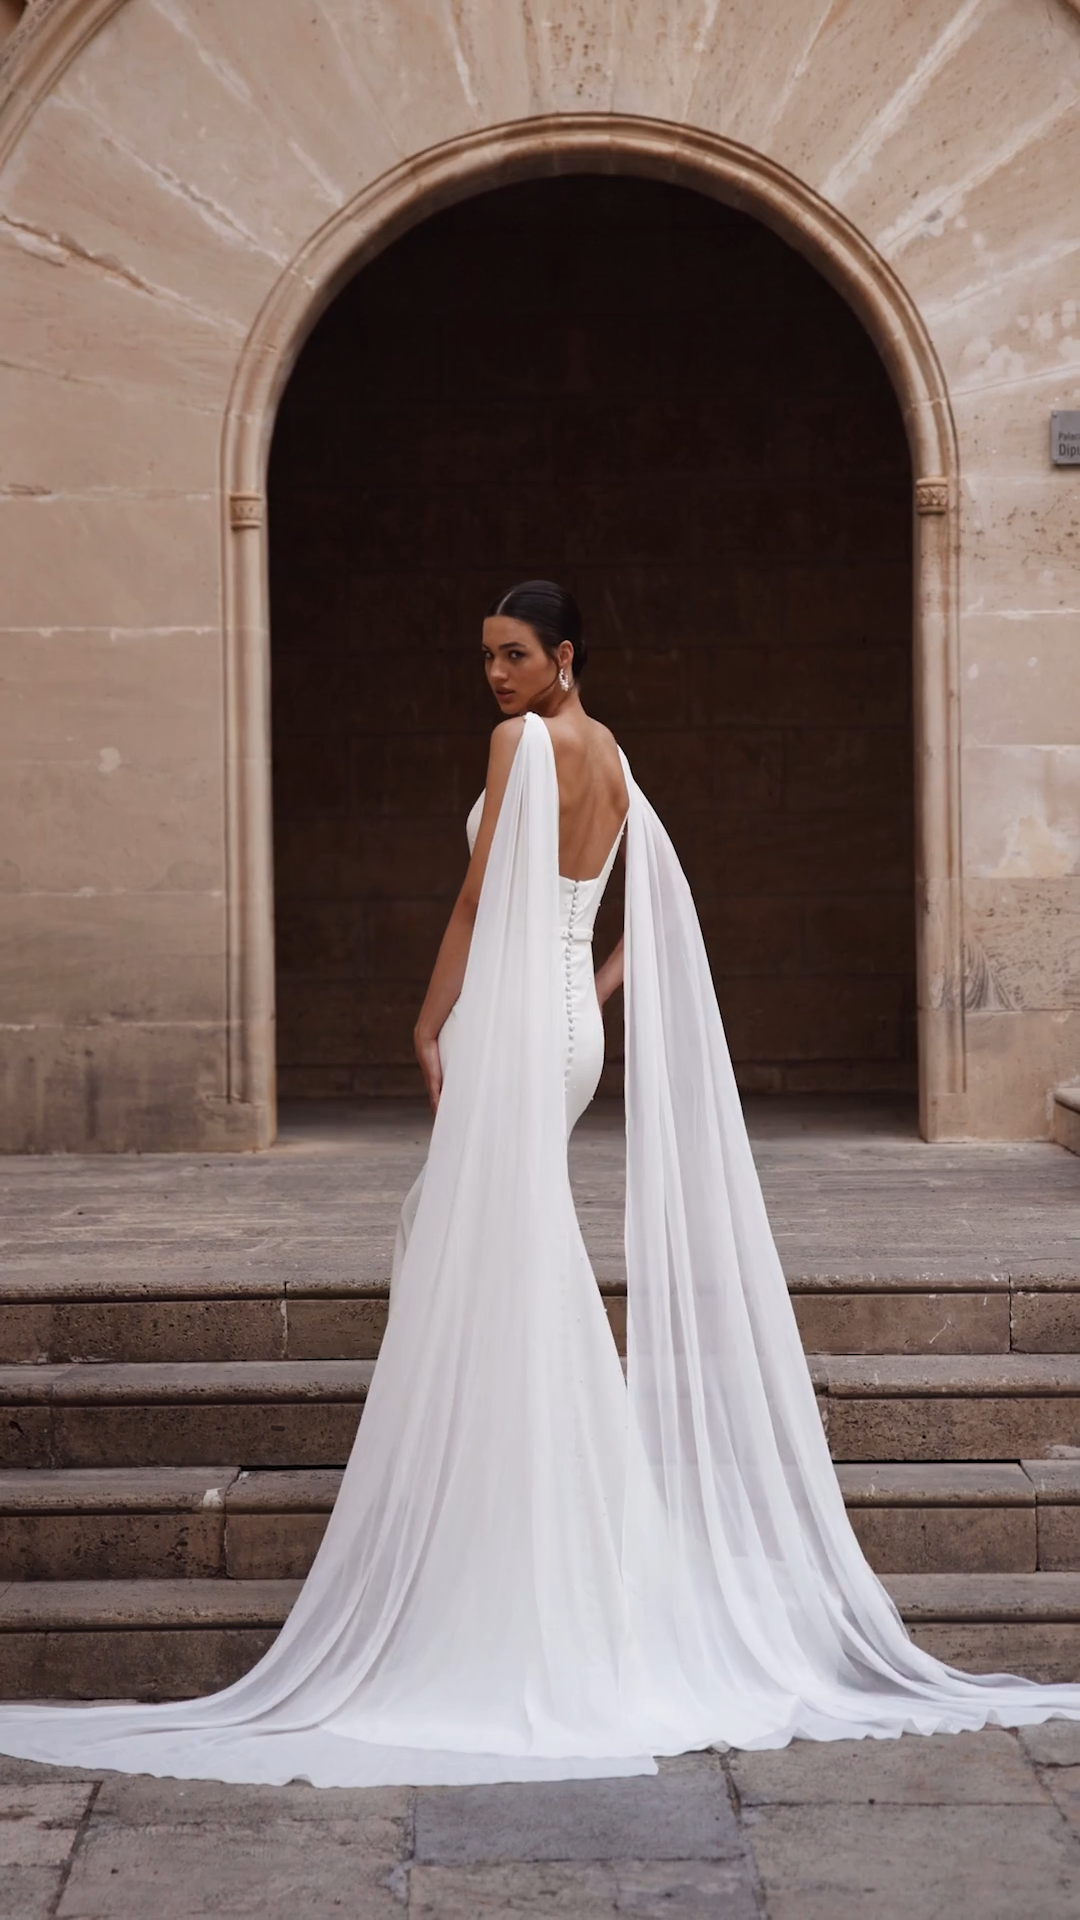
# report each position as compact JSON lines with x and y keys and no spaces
{"x":464,"y":1617}
{"x":756,"y":1596}
{"x":534,"y":1570}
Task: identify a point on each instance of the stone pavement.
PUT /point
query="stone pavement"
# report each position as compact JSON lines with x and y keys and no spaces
{"x":847,"y":1180}
{"x":979,"y":1826}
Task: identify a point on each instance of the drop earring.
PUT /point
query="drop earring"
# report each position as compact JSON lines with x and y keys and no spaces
{"x":563,"y":680}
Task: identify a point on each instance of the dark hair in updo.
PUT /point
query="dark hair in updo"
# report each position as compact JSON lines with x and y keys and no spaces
{"x":551,"y":612}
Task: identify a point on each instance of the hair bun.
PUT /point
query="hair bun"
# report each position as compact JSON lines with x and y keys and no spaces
{"x":551,"y":612}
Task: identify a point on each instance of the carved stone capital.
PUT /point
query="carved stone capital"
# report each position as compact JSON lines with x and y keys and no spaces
{"x":932,"y":495}
{"x":245,"y":510}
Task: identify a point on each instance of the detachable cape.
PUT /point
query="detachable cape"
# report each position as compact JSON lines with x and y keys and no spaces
{"x":535,"y":1569}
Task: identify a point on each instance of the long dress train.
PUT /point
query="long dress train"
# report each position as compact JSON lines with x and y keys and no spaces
{"x":535,"y":1568}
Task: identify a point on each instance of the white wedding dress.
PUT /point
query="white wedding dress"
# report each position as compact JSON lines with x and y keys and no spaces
{"x":537,"y":1568}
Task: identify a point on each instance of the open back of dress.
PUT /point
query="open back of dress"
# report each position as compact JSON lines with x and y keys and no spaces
{"x":535,"y":1568}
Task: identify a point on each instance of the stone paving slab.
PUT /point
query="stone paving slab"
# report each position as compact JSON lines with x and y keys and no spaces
{"x":289,"y":1870}
{"x":915,"y":1863}
{"x":1064,"y":1787}
{"x":987,"y":1768}
{"x":29,"y":1893}
{"x":683,"y":1890}
{"x":22,"y":1773}
{"x":982,"y":1826}
{"x":380,"y":1817}
{"x":1056,"y":1743}
{"x":681,"y":1813}
{"x":39,"y":1829}
{"x":38,"y":1823}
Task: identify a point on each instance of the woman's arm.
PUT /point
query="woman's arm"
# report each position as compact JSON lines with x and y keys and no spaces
{"x":609,"y":976}
{"x":449,"y":970}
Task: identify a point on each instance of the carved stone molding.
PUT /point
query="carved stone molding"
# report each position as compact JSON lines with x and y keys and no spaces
{"x":932,"y":494}
{"x":245,"y":510}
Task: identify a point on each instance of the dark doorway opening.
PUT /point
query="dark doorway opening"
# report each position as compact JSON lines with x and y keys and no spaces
{"x":632,"y":388}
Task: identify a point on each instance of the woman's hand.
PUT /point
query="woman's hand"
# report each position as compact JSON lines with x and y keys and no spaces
{"x":427,"y":1052}
{"x":449,"y":971}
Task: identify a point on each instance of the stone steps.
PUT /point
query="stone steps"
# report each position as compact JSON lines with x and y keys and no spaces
{"x":891,"y":1407}
{"x":170,"y":1639}
{"x":1025,"y":1623}
{"x":1022,"y":1312}
{"x":139,"y":1523}
{"x":134,"y":1639}
{"x":175,"y":1318}
{"x":265,"y":1412}
{"x":133,"y":1563}
{"x":965,"y":1517}
{"x":291,"y":1413}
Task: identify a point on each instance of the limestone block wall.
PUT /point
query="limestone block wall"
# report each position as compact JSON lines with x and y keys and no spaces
{"x":175,"y":176}
{"x":649,"y":395}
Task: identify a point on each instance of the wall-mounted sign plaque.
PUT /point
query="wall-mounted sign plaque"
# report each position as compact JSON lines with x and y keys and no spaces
{"x":1065,"y":439}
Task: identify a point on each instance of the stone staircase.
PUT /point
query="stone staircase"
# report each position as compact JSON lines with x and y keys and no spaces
{"x":133,"y":1563}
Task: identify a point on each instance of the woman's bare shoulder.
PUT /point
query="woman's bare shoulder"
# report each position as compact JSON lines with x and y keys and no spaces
{"x":581,"y":732}
{"x":603,"y":735}
{"x":505,"y":735}
{"x":603,"y":749}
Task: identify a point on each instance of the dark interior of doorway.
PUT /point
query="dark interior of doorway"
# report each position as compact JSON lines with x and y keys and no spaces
{"x":634,"y":389}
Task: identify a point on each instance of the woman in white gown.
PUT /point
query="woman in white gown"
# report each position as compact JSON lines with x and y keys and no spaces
{"x":537,"y":1568}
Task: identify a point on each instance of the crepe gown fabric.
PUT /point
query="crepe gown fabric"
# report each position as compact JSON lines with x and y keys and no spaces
{"x":536,"y":1569}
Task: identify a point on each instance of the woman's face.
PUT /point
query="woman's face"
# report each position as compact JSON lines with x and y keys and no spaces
{"x":519,"y":670}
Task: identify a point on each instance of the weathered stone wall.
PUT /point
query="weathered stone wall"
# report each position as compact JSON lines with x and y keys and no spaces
{"x":163,"y":163}
{"x":650,"y":396}
{"x":11,"y":12}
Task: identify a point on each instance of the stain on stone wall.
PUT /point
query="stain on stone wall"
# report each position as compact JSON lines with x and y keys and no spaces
{"x":645,"y":394}
{"x":1023,"y":944}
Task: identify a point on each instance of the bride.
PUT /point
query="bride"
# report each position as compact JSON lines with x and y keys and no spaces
{"x":538,"y":1568}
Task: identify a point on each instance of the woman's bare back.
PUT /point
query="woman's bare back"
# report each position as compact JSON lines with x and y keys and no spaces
{"x":592,"y":792}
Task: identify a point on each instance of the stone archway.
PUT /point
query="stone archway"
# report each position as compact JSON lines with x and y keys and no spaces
{"x":647,"y":394}
{"x":401,"y":199}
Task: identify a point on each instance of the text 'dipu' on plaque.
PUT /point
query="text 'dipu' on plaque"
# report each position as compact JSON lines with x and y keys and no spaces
{"x":1065,"y":439}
